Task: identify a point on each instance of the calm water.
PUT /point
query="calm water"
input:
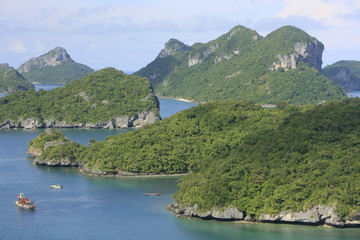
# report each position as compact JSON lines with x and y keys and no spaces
{"x":111,"y":208}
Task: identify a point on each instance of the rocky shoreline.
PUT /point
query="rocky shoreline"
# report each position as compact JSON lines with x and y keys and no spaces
{"x":138,"y":120}
{"x":317,"y":216}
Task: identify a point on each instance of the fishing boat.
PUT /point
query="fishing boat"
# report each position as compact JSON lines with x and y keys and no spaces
{"x":58,"y":186}
{"x":152,"y":194}
{"x":24,"y":202}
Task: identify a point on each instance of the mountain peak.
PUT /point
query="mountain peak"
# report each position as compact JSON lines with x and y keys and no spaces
{"x":172,"y":46}
{"x":53,"y":58}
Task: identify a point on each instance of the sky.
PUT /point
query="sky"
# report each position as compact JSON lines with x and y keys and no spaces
{"x":128,"y":35}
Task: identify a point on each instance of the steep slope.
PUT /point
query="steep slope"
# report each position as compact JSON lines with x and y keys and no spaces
{"x":345,"y":74}
{"x":283,"y":66}
{"x":105,"y":99}
{"x":55,"y":66}
{"x":11,"y":80}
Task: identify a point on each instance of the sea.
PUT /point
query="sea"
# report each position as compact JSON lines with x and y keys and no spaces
{"x":91,"y":207}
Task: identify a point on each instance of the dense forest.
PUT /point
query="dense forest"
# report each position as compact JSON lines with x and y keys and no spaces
{"x":241,"y":65}
{"x":242,"y":155}
{"x":11,"y":80}
{"x":345,"y":74}
{"x":99,"y":96}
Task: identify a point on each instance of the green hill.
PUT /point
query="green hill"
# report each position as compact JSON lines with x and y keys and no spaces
{"x":55,"y":66}
{"x":283,"y":66}
{"x":11,"y":80}
{"x":346,"y":74}
{"x":105,"y":99}
{"x":259,"y":161}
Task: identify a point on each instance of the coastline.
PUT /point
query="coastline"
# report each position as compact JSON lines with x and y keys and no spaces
{"x":178,"y":99}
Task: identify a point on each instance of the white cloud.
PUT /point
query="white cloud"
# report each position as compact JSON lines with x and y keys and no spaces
{"x":17,"y":46}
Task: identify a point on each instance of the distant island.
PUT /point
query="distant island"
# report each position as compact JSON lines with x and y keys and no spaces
{"x":346,"y":74}
{"x":11,"y":80}
{"x":283,"y":66}
{"x":105,"y":99}
{"x":290,"y":164}
{"x":56,"y":66}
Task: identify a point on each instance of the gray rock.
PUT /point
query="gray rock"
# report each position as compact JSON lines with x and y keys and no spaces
{"x":173,"y":46}
{"x":310,"y":53}
{"x":52,"y":58}
{"x":227,"y":214}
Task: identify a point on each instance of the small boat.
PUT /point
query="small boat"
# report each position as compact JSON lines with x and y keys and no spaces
{"x":152,"y":194}
{"x":24,"y":202}
{"x":58,"y":186}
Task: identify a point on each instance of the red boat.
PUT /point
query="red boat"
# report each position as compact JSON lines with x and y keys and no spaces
{"x":24,"y":202}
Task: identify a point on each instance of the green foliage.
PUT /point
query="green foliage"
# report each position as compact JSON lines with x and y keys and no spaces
{"x":11,"y":80}
{"x":99,"y":96}
{"x":67,"y":71}
{"x":236,"y":66}
{"x":345,"y":74}
{"x":311,"y":159}
{"x":55,"y":146}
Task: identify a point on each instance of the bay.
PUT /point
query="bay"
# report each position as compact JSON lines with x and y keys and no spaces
{"x":111,"y":208}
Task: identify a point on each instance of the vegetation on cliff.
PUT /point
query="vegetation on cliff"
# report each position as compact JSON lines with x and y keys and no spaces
{"x":99,"y":96}
{"x":345,"y":74}
{"x":11,"y":80}
{"x":55,"y":66}
{"x":241,"y":64}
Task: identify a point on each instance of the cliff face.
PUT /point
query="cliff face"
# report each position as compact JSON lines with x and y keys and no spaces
{"x":55,"y":66}
{"x":346,"y":74}
{"x":53,"y":58}
{"x":11,"y":80}
{"x":310,"y":53}
{"x":173,"y":46}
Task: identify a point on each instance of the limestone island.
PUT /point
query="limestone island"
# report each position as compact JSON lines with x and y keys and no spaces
{"x":107,"y":99}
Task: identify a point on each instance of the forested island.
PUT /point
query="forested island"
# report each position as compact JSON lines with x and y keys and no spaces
{"x":290,"y":164}
{"x":239,"y":65}
{"x":11,"y":80}
{"x":105,"y":99}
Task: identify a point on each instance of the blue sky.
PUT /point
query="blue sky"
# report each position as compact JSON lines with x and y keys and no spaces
{"x":128,"y":35}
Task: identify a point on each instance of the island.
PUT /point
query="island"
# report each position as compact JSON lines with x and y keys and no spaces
{"x":239,"y":65}
{"x":243,"y":162}
{"x":12,"y":81}
{"x":107,"y":99}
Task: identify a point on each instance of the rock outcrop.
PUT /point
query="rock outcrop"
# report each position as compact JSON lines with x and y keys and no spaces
{"x":310,"y":53}
{"x":173,"y":46}
{"x":318,"y":215}
{"x":138,"y":120}
{"x":52,"y":58}
{"x":226,"y":214}
{"x":55,"y":66}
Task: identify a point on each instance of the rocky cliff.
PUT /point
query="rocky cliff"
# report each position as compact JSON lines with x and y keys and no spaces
{"x":345,"y":74}
{"x":173,"y":46}
{"x":11,"y":80}
{"x":56,"y":66}
{"x":318,"y":215}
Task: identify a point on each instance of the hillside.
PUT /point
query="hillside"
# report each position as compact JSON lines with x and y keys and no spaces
{"x":55,"y":66}
{"x":346,"y":74}
{"x":105,"y":99}
{"x":291,"y":164}
{"x":11,"y":80}
{"x":241,"y":64}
